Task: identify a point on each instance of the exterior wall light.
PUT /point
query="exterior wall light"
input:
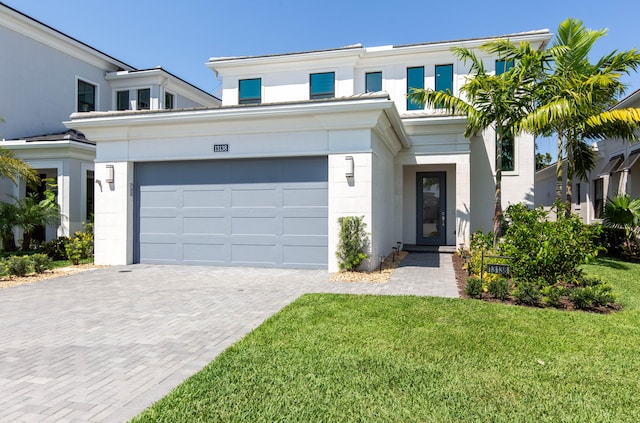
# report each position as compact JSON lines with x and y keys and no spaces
{"x":110,"y":174}
{"x":349,"y":167}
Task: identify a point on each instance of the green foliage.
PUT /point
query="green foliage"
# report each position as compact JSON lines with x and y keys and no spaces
{"x":551,"y":295}
{"x":481,"y":241}
{"x":79,"y":247}
{"x":56,"y":248}
{"x":8,"y":220}
{"x":473,"y":288}
{"x":32,"y":212}
{"x":546,"y":250}
{"x":353,"y":243}
{"x":499,"y":288}
{"x":621,"y":212}
{"x":527,"y":293}
{"x":41,"y":262}
{"x":19,"y":265}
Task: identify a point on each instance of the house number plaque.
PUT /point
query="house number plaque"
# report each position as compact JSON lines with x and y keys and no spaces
{"x":221,"y":148}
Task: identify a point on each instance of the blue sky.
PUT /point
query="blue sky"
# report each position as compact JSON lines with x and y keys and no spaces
{"x":182,"y":35}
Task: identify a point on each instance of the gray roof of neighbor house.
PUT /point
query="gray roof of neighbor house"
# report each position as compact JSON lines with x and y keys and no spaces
{"x":70,"y":135}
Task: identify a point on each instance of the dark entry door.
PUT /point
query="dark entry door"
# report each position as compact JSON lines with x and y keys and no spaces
{"x":431,"y":208}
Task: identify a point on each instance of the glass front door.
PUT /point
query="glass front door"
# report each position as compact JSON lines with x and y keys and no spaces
{"x":431,"y":210}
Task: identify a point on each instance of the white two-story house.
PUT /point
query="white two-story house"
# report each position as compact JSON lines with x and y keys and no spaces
{"x":47,"y":75}
{"x":302,"y":139}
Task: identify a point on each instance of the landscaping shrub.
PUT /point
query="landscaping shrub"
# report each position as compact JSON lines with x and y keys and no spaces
{"x":499,"y":288}
{"x":56,"y":248}
{"x":582,"y":298}
{"x":353,"y":243}
{"x":473,"y":288}
{"x":613,"y":240}
{"x":527,"y":293}
{"x":551,"y":250}
{"x":40,"y":262}
{"x":19,"y":265}
{"x":551,"y":295}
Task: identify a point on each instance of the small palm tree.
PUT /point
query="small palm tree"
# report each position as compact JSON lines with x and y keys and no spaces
{"x":8,"y":220}
{"x":32,"y":213}
{"x":623,"y":213}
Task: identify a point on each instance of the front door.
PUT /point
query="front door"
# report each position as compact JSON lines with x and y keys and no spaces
{"x":431,"y":208}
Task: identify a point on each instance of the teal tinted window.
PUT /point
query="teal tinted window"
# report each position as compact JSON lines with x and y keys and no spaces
{"x":415,"y":79}
{"x":503,"y":66}
{"x":250,"y":91}
{"x":508,"y":162}
{"x":86,"y":97}
{"x":322,"y":85}
{"x":122,"y":100}
{"x":444,"y":78}
{"x":144,"y":99}
{"x":373,"y":82}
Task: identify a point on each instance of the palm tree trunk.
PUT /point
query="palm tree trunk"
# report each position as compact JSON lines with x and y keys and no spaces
{"x":497,"y":216}
{"x":559,"y":168}
{"x":570,"y":171}
{"x":26,"y":241}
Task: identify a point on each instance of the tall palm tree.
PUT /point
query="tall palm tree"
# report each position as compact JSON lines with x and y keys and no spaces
{"x":489,"y":100}
{"x":575,"y":94}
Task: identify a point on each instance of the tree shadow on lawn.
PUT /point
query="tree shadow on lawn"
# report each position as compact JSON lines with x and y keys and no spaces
{"x":612,"y":263}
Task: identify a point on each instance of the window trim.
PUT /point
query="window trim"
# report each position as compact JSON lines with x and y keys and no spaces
{"x":410,"y":104}
{"x":249,"y":100}
{"x":96,"y":98}
{"x":323,"y":94}
{"x":366,"y":80}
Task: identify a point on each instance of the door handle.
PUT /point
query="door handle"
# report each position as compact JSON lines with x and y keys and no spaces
{"x":443,"y":217}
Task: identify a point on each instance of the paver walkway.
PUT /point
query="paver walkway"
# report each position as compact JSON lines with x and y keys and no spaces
{"x":103,"y":345}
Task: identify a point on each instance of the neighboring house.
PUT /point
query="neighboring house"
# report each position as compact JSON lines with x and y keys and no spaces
{"x":617,"y":171}
{"x":300,"y":140}
{"x":45,"y":77}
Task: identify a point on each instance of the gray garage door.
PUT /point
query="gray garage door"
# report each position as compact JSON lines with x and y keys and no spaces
{"x":263,"y":212}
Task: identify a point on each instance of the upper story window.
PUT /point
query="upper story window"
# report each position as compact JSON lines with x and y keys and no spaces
{"x":322,"y":85}
{"x":373,"y":82}
{"x":122,"y":100}
{"x":503,"y":66}
{"x":415,"y":79}
{"x":86,"y":96}
{"x":169,"y":101}
{"x":444,"y":78}
{"x":250,"y":91}
{"x":144,"y":99}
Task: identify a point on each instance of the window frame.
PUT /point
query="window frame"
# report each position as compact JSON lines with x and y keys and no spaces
{"x":598,"y":200}
{"x":322,"y":94}
{"x":513,"y":153}
{"x":118,"y":108}
{"x":96,"y":93}
{"x":168,"y":94}
{"x":508,"y":65}
{"x":411,"y":105}
{"x":249,"y":100}
{"x":138,"y":91}
{"x":366,"y":81}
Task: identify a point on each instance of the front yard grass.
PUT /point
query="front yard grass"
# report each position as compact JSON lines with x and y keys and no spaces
{"x":379,"y":358}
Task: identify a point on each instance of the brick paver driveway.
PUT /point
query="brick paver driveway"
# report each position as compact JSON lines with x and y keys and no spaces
{"x":101,"y":346}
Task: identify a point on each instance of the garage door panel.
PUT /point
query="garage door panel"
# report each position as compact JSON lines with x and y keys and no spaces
{"x":265,"y":197}
{"x":207,"y":197}
{"x":303,"y":256}
{"x":204,"y":225}
{"x":306,"y":197}
{"x":304,"y":225}
{"x":267,"y":212}
{"x":159,"y":225}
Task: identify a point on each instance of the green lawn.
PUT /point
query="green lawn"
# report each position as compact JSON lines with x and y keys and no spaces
{"x":371,"y":358}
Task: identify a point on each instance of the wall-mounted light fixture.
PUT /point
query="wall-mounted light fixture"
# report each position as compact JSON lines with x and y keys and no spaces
{"x":349,"y":167}
{"x":110,"y":174}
